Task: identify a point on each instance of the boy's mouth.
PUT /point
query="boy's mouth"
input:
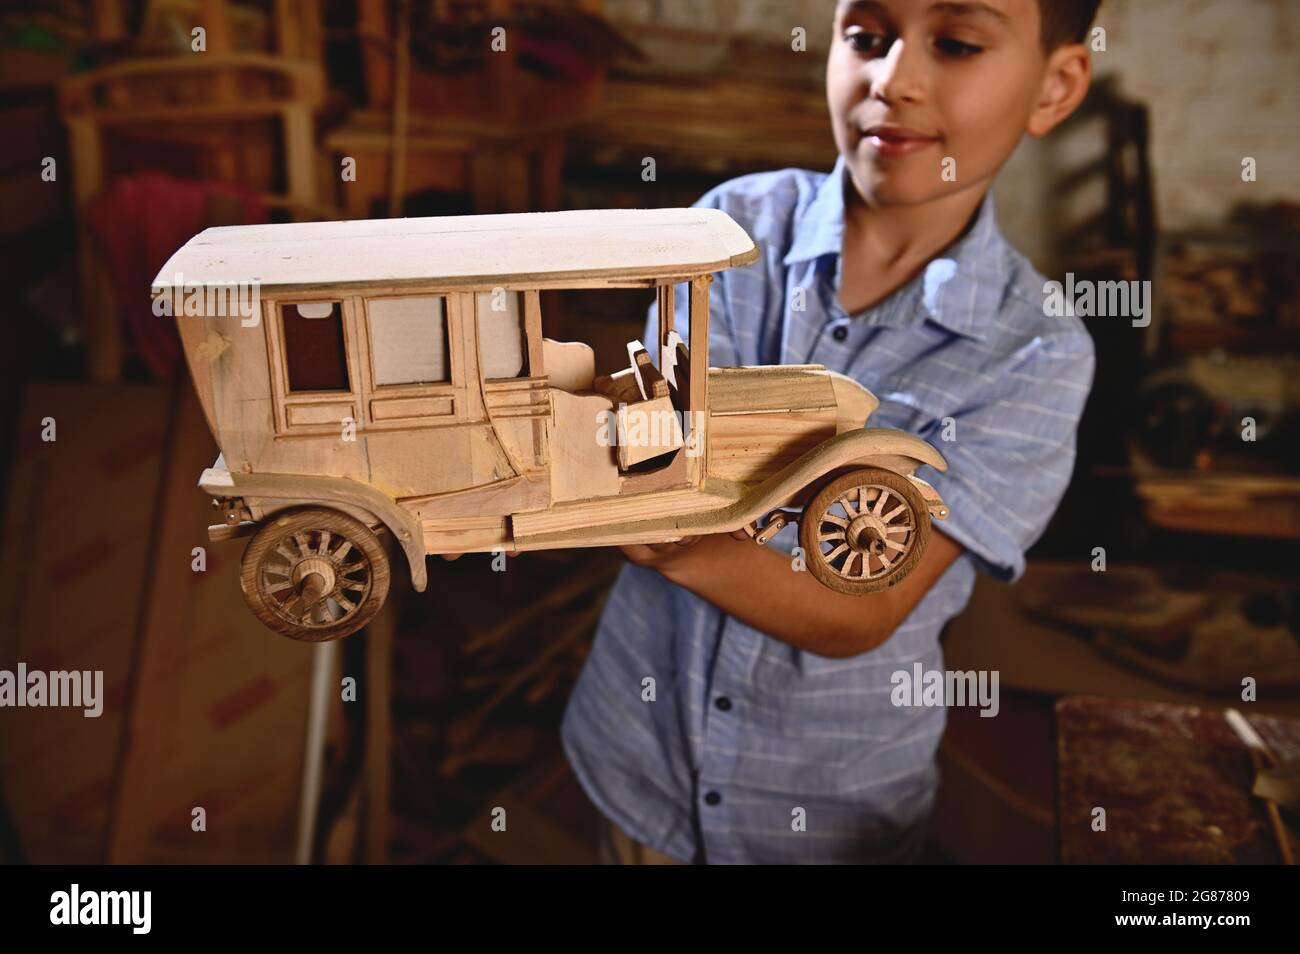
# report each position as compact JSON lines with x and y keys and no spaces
{"x":893,"y":141}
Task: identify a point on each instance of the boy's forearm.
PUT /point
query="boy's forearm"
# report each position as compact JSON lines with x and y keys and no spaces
{"x":760,"y":587}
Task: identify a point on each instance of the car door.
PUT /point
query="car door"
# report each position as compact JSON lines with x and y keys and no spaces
{"x":416,"y":393}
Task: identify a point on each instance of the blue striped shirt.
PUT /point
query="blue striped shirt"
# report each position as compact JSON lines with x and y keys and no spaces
{"x":963,"y":356}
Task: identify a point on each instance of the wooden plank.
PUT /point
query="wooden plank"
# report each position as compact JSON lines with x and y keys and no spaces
{"x":698,"y":398}
{"x":783,"y":438}
{"x":664,"y":308}
{"x":64,"y":553}
{"x":647,"y":429}
{"x":731,"y":125}
{"x":212,"y":694}
{"x":318,"y":412}
{"x":592,"y":513}
{"x":788,"y":388}
{"x":580,"y":468}
{"x":423,"y":408}
{"x":508,"y":249}
{"x":533,"y":330}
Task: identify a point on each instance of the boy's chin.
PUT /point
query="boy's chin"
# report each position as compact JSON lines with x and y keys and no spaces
{"x":893,"y":186}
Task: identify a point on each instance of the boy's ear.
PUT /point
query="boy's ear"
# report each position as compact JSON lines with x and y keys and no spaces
{"x":1065,"y":83}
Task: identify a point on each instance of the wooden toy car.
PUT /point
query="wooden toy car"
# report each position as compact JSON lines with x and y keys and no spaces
{"x":392,"y":375}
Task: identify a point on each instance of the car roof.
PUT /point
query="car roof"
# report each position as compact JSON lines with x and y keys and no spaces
{"x":516,"y":248}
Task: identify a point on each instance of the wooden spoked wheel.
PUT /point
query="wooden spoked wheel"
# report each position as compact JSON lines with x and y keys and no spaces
{"x":864,"y":531}
{"x":314,"y":574}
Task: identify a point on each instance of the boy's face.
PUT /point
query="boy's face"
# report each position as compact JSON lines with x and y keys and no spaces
{"x":911,"y":83}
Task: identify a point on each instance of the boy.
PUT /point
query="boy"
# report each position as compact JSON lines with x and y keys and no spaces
{"x":771,"y":736}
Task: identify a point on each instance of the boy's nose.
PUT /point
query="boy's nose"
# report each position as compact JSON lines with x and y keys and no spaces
{"x":899,"y":75}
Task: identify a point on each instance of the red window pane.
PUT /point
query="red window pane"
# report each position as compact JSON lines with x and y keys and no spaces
{"x":313,"y":349}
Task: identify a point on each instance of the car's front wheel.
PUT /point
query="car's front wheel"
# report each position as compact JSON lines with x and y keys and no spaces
{"x":314,"y":574}
{"x":864,"y":531}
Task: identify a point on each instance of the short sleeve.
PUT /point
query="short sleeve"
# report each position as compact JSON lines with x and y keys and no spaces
{"x":1011,"y":452}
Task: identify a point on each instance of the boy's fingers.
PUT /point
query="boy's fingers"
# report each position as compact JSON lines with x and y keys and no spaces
{"x":650,"y":552}
{"x":644,"y":553}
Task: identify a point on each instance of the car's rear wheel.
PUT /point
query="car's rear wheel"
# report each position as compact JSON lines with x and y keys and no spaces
{"x":864,"y":531}
{"x":314,"y":574}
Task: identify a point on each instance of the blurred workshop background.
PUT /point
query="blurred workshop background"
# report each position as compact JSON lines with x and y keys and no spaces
{"x":121,"y":139}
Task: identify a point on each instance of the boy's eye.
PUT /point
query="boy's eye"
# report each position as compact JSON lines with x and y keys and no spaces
{"x":957,"y":48}
{"x":863,"y":41}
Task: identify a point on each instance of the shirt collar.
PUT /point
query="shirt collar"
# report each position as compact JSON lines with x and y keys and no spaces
{"x":958,"y":289}
{"x":820,"y":230}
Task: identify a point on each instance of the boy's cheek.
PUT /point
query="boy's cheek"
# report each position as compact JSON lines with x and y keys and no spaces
{"x":844,"y":91}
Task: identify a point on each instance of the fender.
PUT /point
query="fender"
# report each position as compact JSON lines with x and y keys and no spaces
{"x":861,"y":445}
{"x":294,"y":489}
{"x":882,"y":447}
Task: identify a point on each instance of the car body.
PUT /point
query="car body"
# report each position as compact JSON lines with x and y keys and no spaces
{"x":395,"y":373}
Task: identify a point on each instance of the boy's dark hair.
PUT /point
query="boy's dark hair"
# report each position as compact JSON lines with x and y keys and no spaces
{"x":1065,"y":21}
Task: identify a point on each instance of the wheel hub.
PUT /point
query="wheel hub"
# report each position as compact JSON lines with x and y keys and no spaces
{"x":866,"y":533}
{"x":314,"y":576}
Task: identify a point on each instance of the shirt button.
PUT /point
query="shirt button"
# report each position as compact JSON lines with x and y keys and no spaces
{"x":840,"y":333}
{"x":723,"y":703}
{"x":712,"y":798}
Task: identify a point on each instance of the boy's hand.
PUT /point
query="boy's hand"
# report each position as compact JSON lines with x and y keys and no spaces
{"x":670,"y":558}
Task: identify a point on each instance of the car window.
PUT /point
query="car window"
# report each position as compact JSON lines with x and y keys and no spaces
{"x":501,"y":334}
{"x":313,"y":346}
{"x":408,"y":340}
